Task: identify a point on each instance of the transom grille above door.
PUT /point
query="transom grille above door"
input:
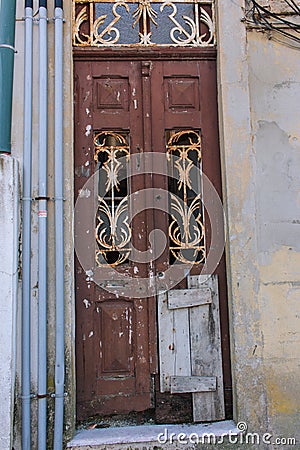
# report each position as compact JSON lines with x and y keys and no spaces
{"x":143,"y":23}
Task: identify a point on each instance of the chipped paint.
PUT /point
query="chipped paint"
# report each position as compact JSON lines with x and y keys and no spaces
{"x":86,"y":96}
{"x":86,"y":303}
{"x":88,"y":130}
{"x":130,"y":331}
{"x":84,"y":193}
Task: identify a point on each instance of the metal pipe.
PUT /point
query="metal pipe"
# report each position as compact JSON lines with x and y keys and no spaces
{"x":7,"y":53}
{"x":59,"y":230}
{"x":42,"y":227}
{"x":26,"y":226}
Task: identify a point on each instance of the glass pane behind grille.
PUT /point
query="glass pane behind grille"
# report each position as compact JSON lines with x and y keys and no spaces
{"x":128,"y":34}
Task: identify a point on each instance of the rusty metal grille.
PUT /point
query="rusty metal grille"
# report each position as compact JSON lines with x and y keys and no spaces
{"x":186,"y":228}
{"x":112,"y":232}
{"x":143,"y":23}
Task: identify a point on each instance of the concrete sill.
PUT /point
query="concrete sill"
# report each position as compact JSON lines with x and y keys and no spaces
{"x":147,"y":434}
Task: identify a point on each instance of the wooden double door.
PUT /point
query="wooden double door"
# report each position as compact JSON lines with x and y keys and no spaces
{"x":157,"y":341}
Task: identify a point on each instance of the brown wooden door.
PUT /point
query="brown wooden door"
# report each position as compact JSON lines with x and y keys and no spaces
{"x":126,"y":109}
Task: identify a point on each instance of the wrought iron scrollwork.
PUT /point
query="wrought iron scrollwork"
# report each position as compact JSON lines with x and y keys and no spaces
{"x":91,"y":28}
{"x":186,"y":229}
{"x":112,"y":232}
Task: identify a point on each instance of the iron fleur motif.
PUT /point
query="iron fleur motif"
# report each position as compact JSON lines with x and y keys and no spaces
{"x":186,"y":229}
{"x":112,"y":232}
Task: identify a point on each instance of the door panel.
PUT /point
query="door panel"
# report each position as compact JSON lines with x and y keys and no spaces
{"x":146,"y":102}
{"x":112,"y":331}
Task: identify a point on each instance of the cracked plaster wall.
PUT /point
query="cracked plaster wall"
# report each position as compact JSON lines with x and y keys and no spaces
{"x":259,"y":117}
{"x":274,"y":79}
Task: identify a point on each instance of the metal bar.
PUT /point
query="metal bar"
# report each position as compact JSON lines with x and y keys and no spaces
{"x":59,"y":230}
{"x":42,"y":228}
{"x":26,"y":226}
{"x":7,"y":42}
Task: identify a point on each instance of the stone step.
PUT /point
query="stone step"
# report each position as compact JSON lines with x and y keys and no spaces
{"x":155,"y":437}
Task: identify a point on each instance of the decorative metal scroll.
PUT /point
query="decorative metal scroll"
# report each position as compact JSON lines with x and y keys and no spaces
{"x":113,"y":233}
{"x":142,"y":23}
{"x":186,"y":229}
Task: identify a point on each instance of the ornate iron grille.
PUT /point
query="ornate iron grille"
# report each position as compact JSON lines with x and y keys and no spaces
{"x":143,"y":23}
{"x":186,"y":229}
{"x":113,"y":233}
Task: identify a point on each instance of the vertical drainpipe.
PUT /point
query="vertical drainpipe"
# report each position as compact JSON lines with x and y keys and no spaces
{"x":7,"y":42}
{"x":26,"y":227}
{"x":59,"y":229}
{"x":42,"y":228}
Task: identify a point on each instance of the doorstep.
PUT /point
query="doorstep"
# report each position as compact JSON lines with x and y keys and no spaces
{"x":151,"y":437}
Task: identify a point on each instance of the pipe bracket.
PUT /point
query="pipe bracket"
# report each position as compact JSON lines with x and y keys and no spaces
{"x":27,"y":397}
{"x":10,"y":47}
{"x":53,"y":395}
{"x":42,"y":197}
{"x":58,"y":198}
{"x":42,"y":396}
{"x":53,"y":19}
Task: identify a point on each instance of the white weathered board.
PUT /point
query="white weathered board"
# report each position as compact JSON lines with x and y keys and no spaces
{"x":174,"y":342}
{"x":187,"y":298}
{"x":193,"y":384}
{"x":206,"y":352}
{"x":190,"y":346}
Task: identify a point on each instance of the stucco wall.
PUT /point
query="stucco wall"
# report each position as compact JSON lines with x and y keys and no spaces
{"x":274,"y":79}
{"x":9,"y":245}
{"x":259,"y":114}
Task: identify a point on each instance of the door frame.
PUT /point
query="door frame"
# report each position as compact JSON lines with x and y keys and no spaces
{"x":175,"y":54}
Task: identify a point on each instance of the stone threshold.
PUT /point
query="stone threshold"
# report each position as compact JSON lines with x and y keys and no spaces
{"x":150,"y":434}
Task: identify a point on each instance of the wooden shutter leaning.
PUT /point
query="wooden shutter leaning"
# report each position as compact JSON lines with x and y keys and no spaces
{"x":190,"y":346}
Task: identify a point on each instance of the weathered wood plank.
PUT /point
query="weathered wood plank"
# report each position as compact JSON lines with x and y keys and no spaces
{"x":182,"y":348}
{"x":174,"y":343}
{"x":193,"y":384}
{"x":166,"y":342}
{"x":206,"y":355}
{"x":186,"y":298}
